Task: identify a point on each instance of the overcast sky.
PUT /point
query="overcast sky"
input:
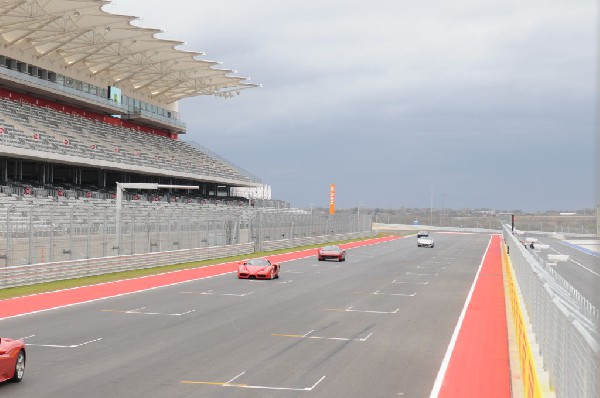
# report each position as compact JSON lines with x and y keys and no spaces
{"x":491,"y":102}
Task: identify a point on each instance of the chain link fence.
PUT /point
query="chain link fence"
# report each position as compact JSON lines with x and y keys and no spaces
{"x":564,"y":322}
{"x":54,"y":233}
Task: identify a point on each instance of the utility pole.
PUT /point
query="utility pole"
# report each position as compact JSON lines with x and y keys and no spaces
{"x":431,"y":207}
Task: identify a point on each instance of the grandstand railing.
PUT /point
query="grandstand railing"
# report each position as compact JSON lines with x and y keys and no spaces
{"x":564,"y":322}
{"x":141,"y":113}
{"x":48,"y":85}
{"x":215,"y":155}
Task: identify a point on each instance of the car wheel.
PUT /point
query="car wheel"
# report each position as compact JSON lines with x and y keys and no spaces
{"x":271,"y":276}
{"x":19,"y":367}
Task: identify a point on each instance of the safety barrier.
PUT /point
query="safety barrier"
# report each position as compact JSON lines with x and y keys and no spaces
{"x":529,"y":374}
{"x":564,"y":323}
{"x":48,"y":272}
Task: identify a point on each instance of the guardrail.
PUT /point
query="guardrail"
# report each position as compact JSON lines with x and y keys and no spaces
{"x":49,"y":272}
{"x":564,"y":322}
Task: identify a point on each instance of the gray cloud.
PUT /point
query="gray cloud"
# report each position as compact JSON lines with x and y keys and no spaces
{"x":492,"y":102}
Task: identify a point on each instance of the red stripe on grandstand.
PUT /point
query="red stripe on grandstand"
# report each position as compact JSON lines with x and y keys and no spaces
{"x":479,"y":364}
{"x":46,"y":301}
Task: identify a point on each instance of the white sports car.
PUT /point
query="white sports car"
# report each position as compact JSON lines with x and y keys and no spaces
{"x":424,"y":239}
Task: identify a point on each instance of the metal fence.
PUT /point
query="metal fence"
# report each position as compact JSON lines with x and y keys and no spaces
{"x":564,"y":322}
{"x":53,"y":233}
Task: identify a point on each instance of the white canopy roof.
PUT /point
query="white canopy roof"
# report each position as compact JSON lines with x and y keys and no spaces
{"x":96,"y":42}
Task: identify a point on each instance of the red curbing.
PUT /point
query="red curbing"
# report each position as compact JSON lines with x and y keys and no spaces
{"x":46,"y":301}
{"x":479,"y":364}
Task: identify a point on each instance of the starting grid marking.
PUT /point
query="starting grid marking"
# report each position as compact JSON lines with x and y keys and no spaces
{"x":306,"y":336}
{"x":57,"y":345}
{"x":429,"y":267}
{"x":410,"y":283}
{"x":351,"y":309}
{"x":377,"y":292}
{"x":211,"y":292}
{"x":415,"y":273}
{"x":231,"y":383}
{"x":138,"y":311}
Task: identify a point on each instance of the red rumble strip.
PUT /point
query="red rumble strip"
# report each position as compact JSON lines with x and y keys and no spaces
{"x":479,"y":364}
{"x":62,"y":298}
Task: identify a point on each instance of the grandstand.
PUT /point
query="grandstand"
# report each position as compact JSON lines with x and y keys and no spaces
{"x":88,"y":100}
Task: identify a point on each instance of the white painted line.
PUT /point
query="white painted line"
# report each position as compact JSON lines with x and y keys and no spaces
{"x":411,"y":283}
{"x":444,"y":366}
{"x":294,"y":272}
{"x":274,"y":388}
{"x":584,"y":267}
{"x":297,"y":336}
{"x":210,"y":292}
{"x":63,"y":346}
{"x":432,"y":267}
{"x":377,"y":292}
{"x":241,"y":374}
{"x":139,"y":312}
{"x":414,"y":273}
{"x":365,"y":339}
{"x":27,"y":337}
{"x":350,"y":309}
{"x":308,"y":333}
{"x":284,"y":282}
{"x":581,"y":265}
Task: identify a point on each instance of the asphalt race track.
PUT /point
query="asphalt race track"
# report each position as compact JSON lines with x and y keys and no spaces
{"x":377,"y":325}
{"x":582,"y":270}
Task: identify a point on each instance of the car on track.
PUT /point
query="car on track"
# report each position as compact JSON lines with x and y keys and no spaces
{"x":331,"y":252}
{"x":258,"y":268}
{"x":424,"y":239}
{"x":12,"y":360}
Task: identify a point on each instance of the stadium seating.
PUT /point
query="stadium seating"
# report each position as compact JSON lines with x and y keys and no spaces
{"x":32,"y":127}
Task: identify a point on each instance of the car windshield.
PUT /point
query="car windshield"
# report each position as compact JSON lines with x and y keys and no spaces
{"x":331,"y":248}
{"x":422,"y":234}
{"x":258,"y":262}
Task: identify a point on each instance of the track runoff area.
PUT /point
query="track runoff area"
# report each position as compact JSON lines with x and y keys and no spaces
{"x":393,"y":320}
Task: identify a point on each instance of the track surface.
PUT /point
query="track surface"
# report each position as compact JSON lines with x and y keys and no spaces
{"x":377,"y":325}
{"x":582,"y":270}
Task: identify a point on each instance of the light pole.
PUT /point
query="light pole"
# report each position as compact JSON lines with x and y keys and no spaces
{"x":431,"y":207}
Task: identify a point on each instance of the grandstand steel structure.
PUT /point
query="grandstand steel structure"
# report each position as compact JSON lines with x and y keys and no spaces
{"x":87,"y":100}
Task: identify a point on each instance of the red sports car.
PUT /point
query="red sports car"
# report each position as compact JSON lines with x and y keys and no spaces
{"x":258,"y":268}
{"x":12,"y":360}
{"x":334,"y":252}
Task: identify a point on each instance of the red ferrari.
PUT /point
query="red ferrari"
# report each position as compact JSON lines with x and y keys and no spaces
{"x":12,"y":360}
{"x":258,"y":268}
{"x":334,"y":252}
